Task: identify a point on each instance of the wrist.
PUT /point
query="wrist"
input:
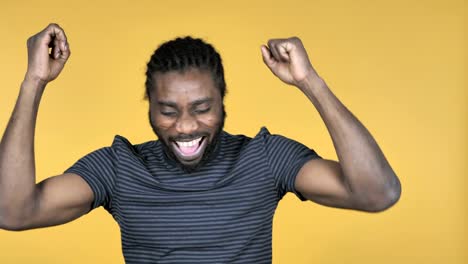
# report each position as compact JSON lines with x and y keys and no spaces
{"x":311,"y":82}
{"x":33,"y":83}
{"x":33,"y":88}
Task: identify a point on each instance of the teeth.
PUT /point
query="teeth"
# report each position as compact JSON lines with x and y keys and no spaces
{"x":189,"y":143}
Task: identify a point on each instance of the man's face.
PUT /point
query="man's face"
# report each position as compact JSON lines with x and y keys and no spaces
{"x":186,"y":113}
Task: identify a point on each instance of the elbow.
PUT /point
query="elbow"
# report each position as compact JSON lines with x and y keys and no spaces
{"x":16,"y":214}
{"x":12,"y":227}
{"x":383,"y":203}
{"x":383,"y":200}
{"x":9,"y":223}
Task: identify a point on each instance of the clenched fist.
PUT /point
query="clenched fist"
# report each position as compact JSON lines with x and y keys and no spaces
{"x":288,"y":60}
{"x":45,"y":66}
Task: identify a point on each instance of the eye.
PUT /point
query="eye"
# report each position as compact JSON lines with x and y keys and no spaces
{"x":202,"y":111}
{"x":168,"y":113}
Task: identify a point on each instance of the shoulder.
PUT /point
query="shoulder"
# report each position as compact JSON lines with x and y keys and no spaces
{"x":283,"y":152}
{"x":122,"y":147}
{"x":275,"y":142}
{"x":262,"y":139}
{"x":265,"y":135}
{"x":229,"y":139}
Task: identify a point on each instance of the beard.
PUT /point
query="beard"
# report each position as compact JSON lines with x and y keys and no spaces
{"x":208,"y":152}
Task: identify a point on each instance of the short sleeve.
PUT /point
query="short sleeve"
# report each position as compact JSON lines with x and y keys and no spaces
{"x":98,"y":170}
{"x":286,"y":157}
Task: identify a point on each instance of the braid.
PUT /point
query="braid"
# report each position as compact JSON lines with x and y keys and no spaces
{"x":182,"y":54}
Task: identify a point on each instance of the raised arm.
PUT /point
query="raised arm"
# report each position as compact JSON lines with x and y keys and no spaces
{"x":362,"y":179}
{"x":23,"y":203}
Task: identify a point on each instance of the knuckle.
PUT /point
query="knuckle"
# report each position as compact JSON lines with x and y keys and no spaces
{"x":31,"y":40}
{"x":296,"y":39}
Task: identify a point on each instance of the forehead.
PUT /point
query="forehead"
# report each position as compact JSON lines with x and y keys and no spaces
{"x":188,"y":85}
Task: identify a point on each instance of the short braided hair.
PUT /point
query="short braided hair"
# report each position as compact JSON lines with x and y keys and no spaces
{"x":182,"y":54}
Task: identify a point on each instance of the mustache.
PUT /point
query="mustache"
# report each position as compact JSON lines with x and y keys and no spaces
{"x":188,"y":137}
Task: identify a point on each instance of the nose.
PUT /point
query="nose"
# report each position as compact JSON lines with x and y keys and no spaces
{"x":186,"y":124}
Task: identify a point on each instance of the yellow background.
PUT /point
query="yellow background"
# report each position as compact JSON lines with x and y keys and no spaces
{"x":399,"y":66}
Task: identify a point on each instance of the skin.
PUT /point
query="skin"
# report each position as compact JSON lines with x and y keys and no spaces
{"x":362,"y":179}
{"x":184,"y":106}
{"x":56,"y":200}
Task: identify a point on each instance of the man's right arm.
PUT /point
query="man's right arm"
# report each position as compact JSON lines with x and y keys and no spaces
{"x":56,"y":200}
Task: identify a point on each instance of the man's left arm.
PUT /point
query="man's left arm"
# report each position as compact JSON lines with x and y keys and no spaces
{"x":362,"y":179}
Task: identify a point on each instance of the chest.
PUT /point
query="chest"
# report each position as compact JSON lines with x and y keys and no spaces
{"x":237,"y":202}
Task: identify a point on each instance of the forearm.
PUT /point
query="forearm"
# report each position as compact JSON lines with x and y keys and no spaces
{"x":366,"y":171}
{"x":17,"y":165}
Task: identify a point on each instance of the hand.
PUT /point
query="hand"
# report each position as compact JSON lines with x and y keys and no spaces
{"x":44,"y":66}
{"x":288,"y":60}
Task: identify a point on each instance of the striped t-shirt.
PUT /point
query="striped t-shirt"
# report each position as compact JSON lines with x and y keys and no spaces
{"x":220,"y":213}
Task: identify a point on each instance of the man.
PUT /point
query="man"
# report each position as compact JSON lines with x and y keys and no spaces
{"x":198,"y":194}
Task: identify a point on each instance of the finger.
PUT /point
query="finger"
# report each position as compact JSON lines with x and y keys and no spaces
{"x":273,"y":50}
{"x":283,"y":52}
{"x":55,"y":53}
{"x":267,"y":57}
{"x":61,"y":36}
{"x":55,"y":32}
{"x":66,"y":52}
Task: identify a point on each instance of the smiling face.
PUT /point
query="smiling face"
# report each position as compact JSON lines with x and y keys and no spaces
{"x":186,"y":113}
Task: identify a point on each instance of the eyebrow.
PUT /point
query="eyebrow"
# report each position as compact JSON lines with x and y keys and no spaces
{"x":201,"y":101}
{"x":167,"y":103}
{"x":192,"y":104}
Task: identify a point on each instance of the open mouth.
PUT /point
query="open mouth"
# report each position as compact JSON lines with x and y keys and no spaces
{"x":190,"y":150}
